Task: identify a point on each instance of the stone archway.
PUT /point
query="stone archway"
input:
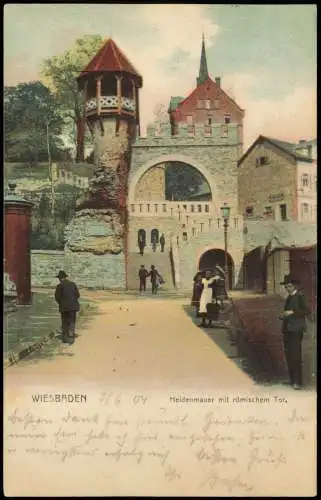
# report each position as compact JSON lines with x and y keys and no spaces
{"x":139,"y":172}
{"x":216,"y":256}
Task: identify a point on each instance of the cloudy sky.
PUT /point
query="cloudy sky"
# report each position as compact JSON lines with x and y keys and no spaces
{"x":265,"y":55}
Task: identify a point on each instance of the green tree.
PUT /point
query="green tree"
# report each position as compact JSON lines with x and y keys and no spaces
{"x":60,"y":72}
{"x":32,"y":118}
{"x":181,"y":181}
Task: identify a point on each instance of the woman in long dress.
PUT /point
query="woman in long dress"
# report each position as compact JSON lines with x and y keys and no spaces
{"x":206,"y":296}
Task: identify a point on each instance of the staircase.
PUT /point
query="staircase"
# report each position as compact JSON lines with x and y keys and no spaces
{"x":161,"y":261}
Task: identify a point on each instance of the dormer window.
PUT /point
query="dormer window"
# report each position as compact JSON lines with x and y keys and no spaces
{"x":249,"y":211}
{"x":227,"y":119}
{"x":261,"y":160}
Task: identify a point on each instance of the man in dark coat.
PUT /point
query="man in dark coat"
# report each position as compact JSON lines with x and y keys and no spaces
{"x":155,"y":278}
{"x":67,"y":295}
{"x":142,"y":273}
{"x":293,"y":327}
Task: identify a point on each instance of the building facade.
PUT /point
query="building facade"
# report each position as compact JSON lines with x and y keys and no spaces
{"x":126,"y":197}
{"x":277,"y":180}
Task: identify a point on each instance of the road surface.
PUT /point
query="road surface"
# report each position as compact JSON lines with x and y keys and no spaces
{"x":147,"y":343}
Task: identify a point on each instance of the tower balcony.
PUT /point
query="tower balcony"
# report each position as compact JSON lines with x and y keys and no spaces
{"x":110,"y":104}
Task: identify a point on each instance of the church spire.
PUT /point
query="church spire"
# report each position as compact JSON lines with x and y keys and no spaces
{"x":203,"y":73}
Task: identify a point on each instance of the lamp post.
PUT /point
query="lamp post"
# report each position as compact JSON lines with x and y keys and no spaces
{"x":225,"y":211}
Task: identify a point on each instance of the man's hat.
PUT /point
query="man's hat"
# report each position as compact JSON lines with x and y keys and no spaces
{"x":288,"y":279}
{"x":61,"y":274}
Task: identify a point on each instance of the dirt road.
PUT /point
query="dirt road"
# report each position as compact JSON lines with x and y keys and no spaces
{"x":150,"y":343}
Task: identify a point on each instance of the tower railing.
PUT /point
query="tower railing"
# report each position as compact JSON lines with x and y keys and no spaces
{"x":110,"y":103}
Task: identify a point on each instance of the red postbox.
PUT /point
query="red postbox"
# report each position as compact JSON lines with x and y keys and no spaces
{"x":17,"y":229}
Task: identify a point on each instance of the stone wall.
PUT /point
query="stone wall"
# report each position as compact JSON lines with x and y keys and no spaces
{"x":152,"y":185}
{"x":164,"y":225}
{"x":215,"y":157}
{"x":45,"y":265}
{"x":101,"y":272}
{"x":191,"y":251}
{"x":86,"y":269}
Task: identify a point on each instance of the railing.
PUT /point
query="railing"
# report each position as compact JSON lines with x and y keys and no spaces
{"x":170,"y":208}
{"x":111,"y":102}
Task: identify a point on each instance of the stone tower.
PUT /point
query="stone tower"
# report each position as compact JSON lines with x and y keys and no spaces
{"x":110,"y":86}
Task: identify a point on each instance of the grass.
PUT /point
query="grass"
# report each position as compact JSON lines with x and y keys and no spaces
{"x":30,"y":324}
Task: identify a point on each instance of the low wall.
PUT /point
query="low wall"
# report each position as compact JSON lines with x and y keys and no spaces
{"x":45,"y":265}
{"x":86,"y":269}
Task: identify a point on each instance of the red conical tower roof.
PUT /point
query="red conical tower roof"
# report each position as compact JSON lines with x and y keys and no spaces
{"x":111,"y":59}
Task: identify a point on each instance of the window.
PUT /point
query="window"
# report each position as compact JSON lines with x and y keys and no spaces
{"x":315,"y":182}
{"x":209,"y":121}
{"x":304,"y":180}
{"x":200,"y":103}
{"x":148,"y":207}
{"x":185,"y":236}
{"x":192,"y":208}
{"x":261,"y":160}
{"x":164,"y":208}
{"x":189,"y":119}
{"x":305,"y":210}
{"x":207,"y":103}
{"x":224,"y":131}
{"x":216,"y":103}
{"x":140,"y":208}
{"x":249,"y":211}
{"x":283,"y":213}
{"x":133,"y":208}
{"x":227,"y":119}
{"x":199,"y":208}
{"x":156,"y":208}
{"x":268,"y":211}
{"x":206,"y":208}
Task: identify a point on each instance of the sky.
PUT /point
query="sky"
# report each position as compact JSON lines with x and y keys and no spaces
{"x":264,"y":54}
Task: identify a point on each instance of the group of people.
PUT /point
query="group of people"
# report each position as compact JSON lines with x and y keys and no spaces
{"x":155,"y":278}
{"x":142,"y":243}
{"x":206,"y":295}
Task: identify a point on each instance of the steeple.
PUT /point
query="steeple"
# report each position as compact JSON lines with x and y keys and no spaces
{"x":203,"y":73}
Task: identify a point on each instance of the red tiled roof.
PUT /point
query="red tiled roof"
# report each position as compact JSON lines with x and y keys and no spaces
{"x":110,"y":58}
{"x":203,"y":84}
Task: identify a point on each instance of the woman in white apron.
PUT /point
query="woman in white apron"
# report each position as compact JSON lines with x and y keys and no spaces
{"x":206,"y":296}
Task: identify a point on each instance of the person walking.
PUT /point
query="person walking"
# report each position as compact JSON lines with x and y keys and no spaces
{"x":154,"y":277}
{"x":141,"y":244}
{"x":142,"y":273}
{"x":67,"y":296}
{"x":154,"y":243}
{"x":206,"y":296}
{"x":162,"y":242}
{"x":293,"y":327}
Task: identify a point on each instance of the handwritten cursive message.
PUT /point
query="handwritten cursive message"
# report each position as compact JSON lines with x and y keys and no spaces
{"x":120,"y":443}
